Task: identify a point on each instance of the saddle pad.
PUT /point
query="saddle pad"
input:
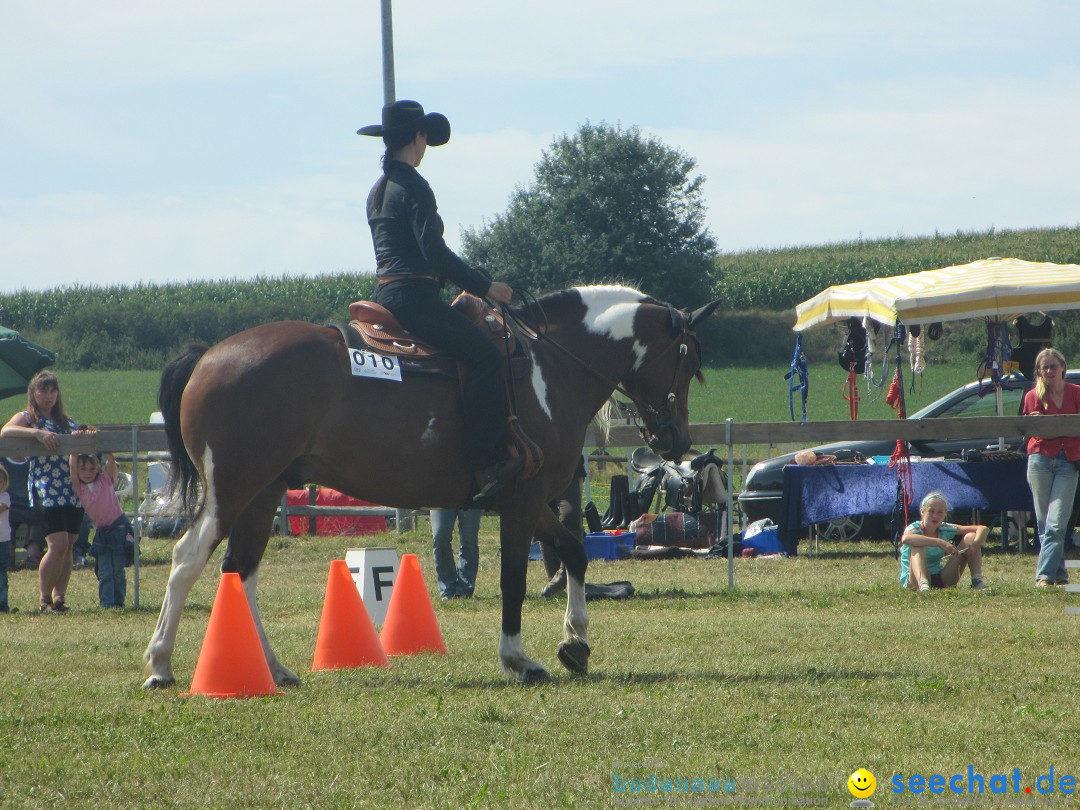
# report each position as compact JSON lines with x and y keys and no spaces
{"x":680,"y":529}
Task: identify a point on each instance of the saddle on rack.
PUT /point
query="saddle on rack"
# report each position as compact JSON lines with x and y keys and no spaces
{"x":687,"y":486}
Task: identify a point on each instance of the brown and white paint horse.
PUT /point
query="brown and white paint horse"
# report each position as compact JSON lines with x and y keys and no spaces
{"x":276,"y":406}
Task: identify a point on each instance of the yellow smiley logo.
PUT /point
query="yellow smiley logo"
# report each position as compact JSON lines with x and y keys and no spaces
{"x":862,"y":784}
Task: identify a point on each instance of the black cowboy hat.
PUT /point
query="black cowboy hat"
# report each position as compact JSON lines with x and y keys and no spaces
{"x":403,"y":117}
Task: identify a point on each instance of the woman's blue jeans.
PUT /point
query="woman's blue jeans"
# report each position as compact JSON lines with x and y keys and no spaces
{"x":1053,"y":487}
{"x":456,"y":580}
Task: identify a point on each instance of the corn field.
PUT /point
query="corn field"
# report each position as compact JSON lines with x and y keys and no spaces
{"x":142,"y":326}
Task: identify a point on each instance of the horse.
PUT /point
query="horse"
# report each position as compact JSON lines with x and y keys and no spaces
{"x":276,"y":406}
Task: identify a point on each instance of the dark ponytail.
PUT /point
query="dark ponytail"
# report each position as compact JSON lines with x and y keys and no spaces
{"x":394,"y":142}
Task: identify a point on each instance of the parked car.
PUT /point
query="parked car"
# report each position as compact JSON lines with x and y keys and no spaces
{"x":763,"y":488}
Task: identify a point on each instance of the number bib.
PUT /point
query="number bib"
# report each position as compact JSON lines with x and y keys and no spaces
{"x":369,"y":364}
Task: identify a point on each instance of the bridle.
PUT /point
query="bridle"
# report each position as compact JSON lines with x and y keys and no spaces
{"x":662,"y":416}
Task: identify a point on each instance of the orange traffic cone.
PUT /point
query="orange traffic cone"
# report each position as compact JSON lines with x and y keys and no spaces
{"x":347,"y":637}
{"x":411,"y":626}
{"x":231,"y":661}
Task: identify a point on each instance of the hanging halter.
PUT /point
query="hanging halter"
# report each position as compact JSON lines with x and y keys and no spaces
{"x":901,"y":455}
{"x":850,"y":392}
{"x":798,"y":370}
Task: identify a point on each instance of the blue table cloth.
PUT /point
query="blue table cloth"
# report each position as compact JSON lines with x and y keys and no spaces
{"x":815,"y":494}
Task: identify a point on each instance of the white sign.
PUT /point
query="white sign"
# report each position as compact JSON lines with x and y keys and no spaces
{"x":366,"y":363}
{"x":374,"y":571}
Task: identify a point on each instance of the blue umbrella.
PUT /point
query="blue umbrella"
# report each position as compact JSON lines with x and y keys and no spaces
{"x":20,"y":359}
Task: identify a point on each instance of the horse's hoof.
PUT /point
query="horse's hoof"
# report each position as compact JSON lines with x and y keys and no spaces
{"x":287,"y":678}
{"x":574,"y":655}
{"x":158,"y":682}
{"x":557,"y":584}
{"x":531,"y":677}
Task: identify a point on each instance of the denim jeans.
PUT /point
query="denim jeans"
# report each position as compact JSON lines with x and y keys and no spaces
{"x":457,"y":580}
{"x":112,"y":583}
{"x":1053,"y":485}
{"x":5,"y":562}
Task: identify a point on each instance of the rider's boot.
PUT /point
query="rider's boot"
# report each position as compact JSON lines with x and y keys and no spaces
{"x":491,"y":479}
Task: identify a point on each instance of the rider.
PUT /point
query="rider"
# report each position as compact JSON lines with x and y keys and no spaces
{"x":413,"y":262}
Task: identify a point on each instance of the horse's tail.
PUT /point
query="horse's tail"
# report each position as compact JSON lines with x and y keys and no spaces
{"x":174,"y":378}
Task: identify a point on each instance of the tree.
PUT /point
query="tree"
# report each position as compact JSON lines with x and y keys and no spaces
{"x":607,"y":205}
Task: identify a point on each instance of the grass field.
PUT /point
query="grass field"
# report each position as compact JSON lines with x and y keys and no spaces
{"x":745,"y":394}
{"x":811,"y":668}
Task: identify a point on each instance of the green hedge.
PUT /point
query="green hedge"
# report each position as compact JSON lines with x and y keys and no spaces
{"x":141,"y":326}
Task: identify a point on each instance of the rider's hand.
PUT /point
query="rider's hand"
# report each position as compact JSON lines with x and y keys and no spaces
{"x":500,"y":292}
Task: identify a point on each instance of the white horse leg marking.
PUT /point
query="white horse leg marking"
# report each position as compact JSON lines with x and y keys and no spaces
{"x":576,"y":622}
{"x":282,"y":675}
{"x":190,"y":555}
{"x":516,"y":663}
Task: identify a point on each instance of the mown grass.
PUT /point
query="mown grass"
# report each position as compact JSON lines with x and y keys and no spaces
{"x":745,"y":394}
{"x":812,"y":666}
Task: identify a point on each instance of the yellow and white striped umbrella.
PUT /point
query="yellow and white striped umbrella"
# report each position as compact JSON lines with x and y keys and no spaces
{"x":993,"y":288}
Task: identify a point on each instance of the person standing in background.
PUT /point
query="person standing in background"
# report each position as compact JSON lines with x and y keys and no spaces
{"x":5,"y":539}
{"x":1051,"y":470}
{"x":456,"y":581}
{"x":50,"y":476}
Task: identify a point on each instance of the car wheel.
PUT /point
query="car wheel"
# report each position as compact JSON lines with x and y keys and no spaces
{"x":852,"y":527}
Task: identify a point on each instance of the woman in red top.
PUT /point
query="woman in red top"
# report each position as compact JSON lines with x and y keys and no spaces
{"x":1052,"y":470}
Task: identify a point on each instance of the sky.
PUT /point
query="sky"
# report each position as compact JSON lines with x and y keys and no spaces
{"x":215,"y":139}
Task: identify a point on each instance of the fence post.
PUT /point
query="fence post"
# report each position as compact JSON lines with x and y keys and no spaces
{"x":136,"y":522}
{"x":729,"y":519}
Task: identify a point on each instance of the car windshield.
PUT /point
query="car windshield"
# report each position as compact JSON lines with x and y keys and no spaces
{"x":974,"y":402}
{"x":986,"y":405}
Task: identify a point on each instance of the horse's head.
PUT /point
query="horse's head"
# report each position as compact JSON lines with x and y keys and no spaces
{"x":668,"y":356}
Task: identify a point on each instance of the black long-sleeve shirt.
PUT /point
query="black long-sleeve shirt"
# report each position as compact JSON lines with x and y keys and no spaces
{"x":407,"y":232}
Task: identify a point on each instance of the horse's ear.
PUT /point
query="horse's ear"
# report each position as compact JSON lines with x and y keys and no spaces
{"x":698,"y":315}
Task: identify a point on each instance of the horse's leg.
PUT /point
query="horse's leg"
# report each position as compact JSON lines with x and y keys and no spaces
{"x":247,"y":543}
{"x":190,"y":555}
{"x":283,"y":676}
{"x":574,"y":648}
{"x":515,"y":537}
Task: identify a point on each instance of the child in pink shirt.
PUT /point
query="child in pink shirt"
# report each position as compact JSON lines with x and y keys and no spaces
{"x":96,"y":487}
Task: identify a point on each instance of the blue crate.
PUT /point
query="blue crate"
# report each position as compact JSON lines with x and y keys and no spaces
{"x":605,"y":545}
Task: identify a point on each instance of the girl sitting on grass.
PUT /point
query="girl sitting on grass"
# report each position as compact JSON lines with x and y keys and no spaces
{"x":927,"y":542}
